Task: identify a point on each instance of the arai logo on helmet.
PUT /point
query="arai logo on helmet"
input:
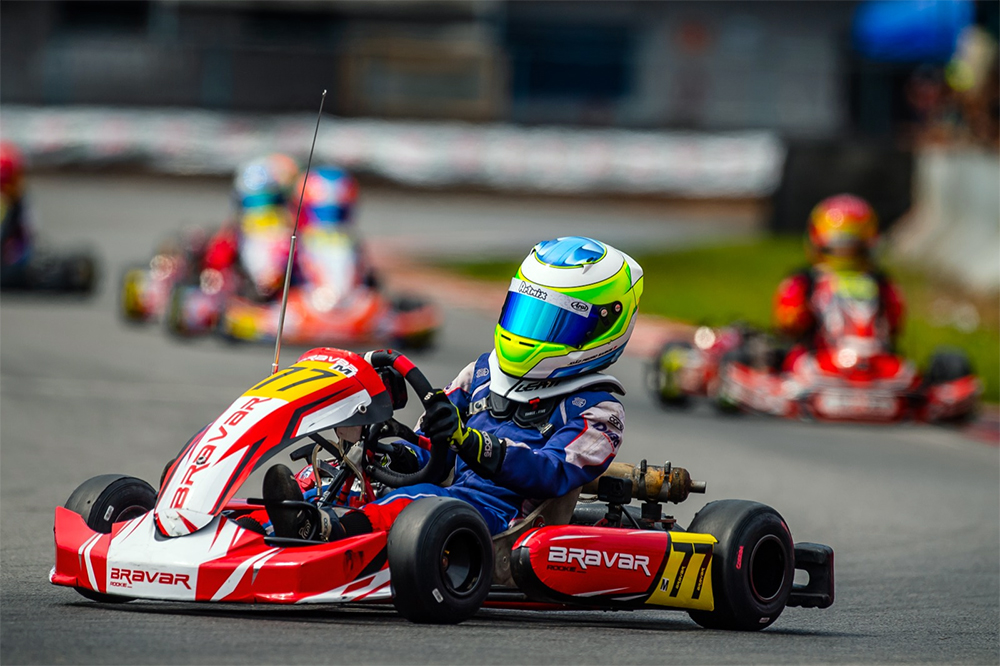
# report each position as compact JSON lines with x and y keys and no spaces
{"x":579,"y":306}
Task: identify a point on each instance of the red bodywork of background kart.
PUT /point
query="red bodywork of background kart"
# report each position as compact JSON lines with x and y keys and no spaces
{"x":740,"y":369}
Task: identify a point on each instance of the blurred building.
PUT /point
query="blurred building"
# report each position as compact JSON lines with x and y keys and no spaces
{"x":709,"y":66}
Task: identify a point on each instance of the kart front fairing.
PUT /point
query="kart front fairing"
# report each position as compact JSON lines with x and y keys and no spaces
{"x":181,"y":548}
{"x":222,"y":562}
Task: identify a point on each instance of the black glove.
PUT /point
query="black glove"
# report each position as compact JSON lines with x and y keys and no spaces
{"x":481,"y":451}
{"x":402,"y":459}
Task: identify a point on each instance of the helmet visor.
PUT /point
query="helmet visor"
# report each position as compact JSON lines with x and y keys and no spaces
{"x":545,"y":315}
{"x":327,"y":214}
{"x":259,"y":199}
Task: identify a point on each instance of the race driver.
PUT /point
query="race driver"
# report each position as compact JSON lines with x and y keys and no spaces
{"x":841,"y":237}
{"x":16,"y":231}
{"x":533,"y":419}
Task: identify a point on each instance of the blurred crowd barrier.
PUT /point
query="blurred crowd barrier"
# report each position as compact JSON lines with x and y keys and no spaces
{"x":954,"y":225}
{"x":423,"y":154}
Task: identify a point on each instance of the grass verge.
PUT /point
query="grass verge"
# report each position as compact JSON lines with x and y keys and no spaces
{"x":718,"y":284}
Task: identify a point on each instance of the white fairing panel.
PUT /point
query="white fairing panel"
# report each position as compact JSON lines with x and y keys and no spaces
{"x":186,"y":504}
{"x":334,"y":414}
{"x":140,"y":565}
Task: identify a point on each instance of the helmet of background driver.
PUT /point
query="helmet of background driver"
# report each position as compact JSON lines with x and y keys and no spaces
{"x":569,"y":310}
{"x":261,"y":191}
{"x":264,"y":181}
{"x":328,"y":199}
{"x":842,"y":233}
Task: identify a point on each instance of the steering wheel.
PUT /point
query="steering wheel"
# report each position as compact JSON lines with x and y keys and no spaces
{"x":437,"y":468}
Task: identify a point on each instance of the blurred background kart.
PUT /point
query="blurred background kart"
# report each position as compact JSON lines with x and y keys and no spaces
{"x":26,"y":264}
{"x":740,"y":368}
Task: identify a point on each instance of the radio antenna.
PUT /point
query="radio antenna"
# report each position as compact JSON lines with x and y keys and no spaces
{"x":291,"y":247}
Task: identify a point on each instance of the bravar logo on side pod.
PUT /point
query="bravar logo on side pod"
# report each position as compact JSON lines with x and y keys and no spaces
{"x":587,"y":557}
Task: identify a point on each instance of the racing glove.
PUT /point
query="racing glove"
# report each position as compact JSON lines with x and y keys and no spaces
{"x":403,"y":459}
{"x":481,"y":451}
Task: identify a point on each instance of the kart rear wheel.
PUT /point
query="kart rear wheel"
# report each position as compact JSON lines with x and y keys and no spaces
{"x":105,"y":500}
{"x":79,"y":273}
{"x":440,"y":560}
{"x":753,"y":564}
{"x":947,"y":365}
{"x":417,"y":342}
{"x":663,"y":373}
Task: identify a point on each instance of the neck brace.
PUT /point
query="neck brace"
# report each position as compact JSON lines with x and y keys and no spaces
{"x":525,"y":390}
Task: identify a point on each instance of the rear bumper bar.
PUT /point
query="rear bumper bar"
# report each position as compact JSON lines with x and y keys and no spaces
{"x":817,"y":561}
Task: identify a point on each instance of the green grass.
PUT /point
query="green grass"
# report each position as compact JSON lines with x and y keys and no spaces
{"x":718,"y":284}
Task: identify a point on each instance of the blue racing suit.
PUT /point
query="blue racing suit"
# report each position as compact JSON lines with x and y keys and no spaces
{"x":544,"y":459}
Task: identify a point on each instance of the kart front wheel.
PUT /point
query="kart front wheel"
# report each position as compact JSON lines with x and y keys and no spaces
{"x":133,"y":290}
{"x":105,"y":500}
{"x":664,"y":371}
{"x":753,"y":564}
{"x":440,"y":561}
{"x":723,"y":402}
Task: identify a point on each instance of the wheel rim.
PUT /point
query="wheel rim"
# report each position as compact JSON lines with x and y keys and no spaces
{"x":461,"y":562}
{"x":129,"y":512}
{"x":767,"y":568}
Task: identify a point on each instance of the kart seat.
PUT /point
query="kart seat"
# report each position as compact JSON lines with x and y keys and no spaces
{"x":554,"y":511}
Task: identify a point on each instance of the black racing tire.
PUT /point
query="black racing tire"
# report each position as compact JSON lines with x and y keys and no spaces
{"x":105,"y":500}
{"x":440,"y":561}
{"x":416,"y":342}
{"x":662,"y":378}
{"x":947,"y":365}
{"x":753,"y":564}
{"x":173,"y":318}
{"x":79,"y":273}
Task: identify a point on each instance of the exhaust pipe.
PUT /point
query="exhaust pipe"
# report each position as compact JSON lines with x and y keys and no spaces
{"x":653,"y":483}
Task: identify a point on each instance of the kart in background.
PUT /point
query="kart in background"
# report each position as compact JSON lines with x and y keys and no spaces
{"x":118,"y":538}
{"x":338,"y":301}
{"x":740,"y":369}
{"x":47,"y":270}
{"x":332,"y":300}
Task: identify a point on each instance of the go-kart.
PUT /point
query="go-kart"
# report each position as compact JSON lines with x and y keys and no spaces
{"x":856,"y":379}
{"x":333,"y":301}
{"x":117,"y":538}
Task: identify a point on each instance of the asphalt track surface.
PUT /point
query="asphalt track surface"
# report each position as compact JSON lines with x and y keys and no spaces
{"x":912,"y":512}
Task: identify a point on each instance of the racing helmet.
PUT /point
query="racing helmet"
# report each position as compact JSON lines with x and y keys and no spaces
{"x":328,"y":198}
{"x":842,"y":232}
{"x":261,"y":192}
{"x":569,"y":311}
{"x":265,"y":181}
{"x":11,"y":171}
